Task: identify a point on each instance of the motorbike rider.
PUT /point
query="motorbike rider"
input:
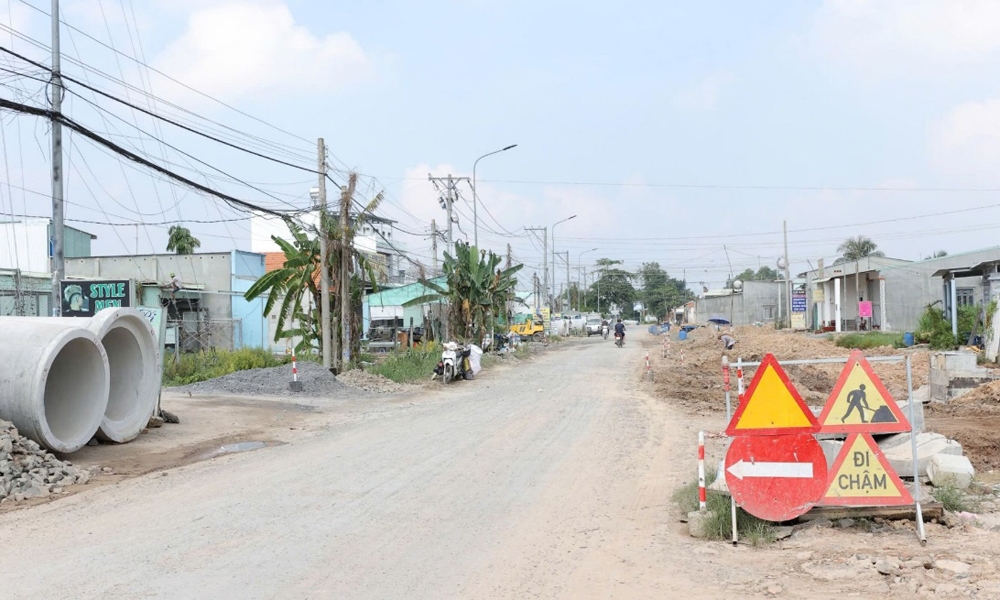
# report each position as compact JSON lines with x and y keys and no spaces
{"x":620,"y":329}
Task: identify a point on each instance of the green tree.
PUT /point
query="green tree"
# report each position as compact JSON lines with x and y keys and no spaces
{"x":614,"y":286}
{"x":661,"y":293}
{"x":477,"y":291}
{"x":938,"y":254}
{"x":299,"y":278}
{"x":180,"y":240}
{"x":856,"y":248}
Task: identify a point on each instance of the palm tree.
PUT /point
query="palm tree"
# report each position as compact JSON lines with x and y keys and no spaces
{"x":856,"y":248}
{"x":181,"y":241}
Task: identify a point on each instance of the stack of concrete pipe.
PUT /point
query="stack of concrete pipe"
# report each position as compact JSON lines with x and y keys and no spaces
{"x":65,"y":380}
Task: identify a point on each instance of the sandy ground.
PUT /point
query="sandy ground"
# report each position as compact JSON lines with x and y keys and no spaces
{"x":551,"y":479}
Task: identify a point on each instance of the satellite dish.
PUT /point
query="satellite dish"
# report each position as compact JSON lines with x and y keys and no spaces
{"x":781,"y":263}
{"x":737,"y":285}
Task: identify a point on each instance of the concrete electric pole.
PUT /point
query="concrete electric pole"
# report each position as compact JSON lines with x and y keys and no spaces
{"x":58,"y":255}
{"x":346,"y":196}
{"x":450,"y":195}
{"x":324,"y":242}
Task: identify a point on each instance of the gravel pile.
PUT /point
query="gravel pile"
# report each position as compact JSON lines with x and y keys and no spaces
{"x":370,"y":382}
{"x":28,"y":471}
{"x":317,"y":382}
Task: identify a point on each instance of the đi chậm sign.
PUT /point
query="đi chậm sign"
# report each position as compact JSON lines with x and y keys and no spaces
{"x":85,"y":298}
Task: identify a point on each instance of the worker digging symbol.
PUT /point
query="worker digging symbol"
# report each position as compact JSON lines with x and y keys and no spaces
{"x":857,"y":399}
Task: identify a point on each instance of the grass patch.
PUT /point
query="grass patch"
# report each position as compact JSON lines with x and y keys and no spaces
{"x":408,"y":365}
{"x":555,"y":339}
{"x":872,"y":339}
{"x":201,"y":366}
{"x":719,"y":525}
{"x":956,"y":500}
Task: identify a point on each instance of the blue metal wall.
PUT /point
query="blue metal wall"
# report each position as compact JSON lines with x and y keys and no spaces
{"x":247,"y":268}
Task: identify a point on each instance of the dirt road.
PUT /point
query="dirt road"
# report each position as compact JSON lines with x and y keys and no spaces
{"x":550,"y":479}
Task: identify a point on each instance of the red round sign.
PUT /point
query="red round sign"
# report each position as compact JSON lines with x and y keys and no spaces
{"x":776,"y":477}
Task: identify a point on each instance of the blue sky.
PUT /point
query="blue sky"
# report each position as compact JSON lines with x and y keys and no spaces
{"x":781,"y":110}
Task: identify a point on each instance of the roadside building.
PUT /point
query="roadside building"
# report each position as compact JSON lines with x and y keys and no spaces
{"x":26,"y":263}
{"x":898,"y":290}
{"x":202,"y":294}
{"x":384,"y":313}
{"x":756,"y":302}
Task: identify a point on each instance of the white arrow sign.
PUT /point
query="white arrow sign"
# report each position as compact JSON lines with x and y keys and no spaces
{"x":743,"y":469}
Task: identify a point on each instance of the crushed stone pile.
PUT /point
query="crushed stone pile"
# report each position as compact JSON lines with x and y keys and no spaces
{"x":317,"y":382}
{"x":698,"y":385}
{"x":370,"y":382}
{"x":29,"y":471}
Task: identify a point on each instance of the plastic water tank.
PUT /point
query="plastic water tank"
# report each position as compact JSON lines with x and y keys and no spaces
{"x":683,"y":335}
{"x":908,"y":339}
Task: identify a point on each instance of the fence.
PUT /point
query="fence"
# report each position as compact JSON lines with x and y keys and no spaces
{"x":191,"y":335}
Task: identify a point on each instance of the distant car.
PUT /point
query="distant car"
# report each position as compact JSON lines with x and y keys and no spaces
{"x":576,"y":323}
{"x":594,"y":326}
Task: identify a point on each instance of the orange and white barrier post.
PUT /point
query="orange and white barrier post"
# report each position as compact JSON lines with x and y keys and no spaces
{"x":295,"y":385}
{"x":701,"y":471}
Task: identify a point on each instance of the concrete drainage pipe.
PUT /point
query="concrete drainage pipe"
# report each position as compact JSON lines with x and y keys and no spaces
{"x":136,"y":370}
{"x":54,"y":381}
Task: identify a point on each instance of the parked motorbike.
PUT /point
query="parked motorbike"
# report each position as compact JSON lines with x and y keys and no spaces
{"x":454,"y":363}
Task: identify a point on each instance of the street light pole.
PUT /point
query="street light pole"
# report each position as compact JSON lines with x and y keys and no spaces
{"x":475,"y":196}
{"x":554,"y":253}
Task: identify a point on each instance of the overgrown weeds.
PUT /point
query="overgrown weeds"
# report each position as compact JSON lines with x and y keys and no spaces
{"x":719,"y":524}
{"x":955,"y":500}
{"x":409,"y":365}
{"x":872,"y":339}
{"x":201,"y":366}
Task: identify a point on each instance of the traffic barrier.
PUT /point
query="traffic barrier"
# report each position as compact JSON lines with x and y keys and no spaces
{"x":55,"y":382}
{"x":649,"y":371}
{"x":295,"y":385}
{"x":701,"y":471}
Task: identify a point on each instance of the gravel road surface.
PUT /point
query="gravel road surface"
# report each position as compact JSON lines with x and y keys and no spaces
{"x":550,"y":479}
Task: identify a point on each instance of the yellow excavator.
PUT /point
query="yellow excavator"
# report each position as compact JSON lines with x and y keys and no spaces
{"x":533,"y":328}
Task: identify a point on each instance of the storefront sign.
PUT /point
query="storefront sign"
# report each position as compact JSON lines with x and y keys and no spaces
{"x":85,"y":298}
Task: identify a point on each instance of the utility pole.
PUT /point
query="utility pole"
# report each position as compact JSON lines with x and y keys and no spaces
{"x":324,"y":242}
{"x":450,"y":196}
{"x":567,"y":307}
{"x":545,"y":256}
{"x":58,"y":255}
{"x":788,"y":276}
{"x":346,"y":195}
{"x":434,"y":246}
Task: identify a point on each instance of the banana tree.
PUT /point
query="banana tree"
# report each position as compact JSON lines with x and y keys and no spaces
{"x":299,"y":278}
{"x":477,"y":290}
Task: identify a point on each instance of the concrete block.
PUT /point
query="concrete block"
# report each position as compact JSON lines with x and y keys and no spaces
{"x":696,"y":523}
{"x":928,"y":444}
{"x":890,"y":441}
{"x":945,"y":469}
{"x":922,"y":394}
{"x":918,"y":414}
{"x":831,"y":448}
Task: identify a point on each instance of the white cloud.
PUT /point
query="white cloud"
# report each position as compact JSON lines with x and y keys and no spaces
{"x":237,"y":50}
{"x":966,"y":142}
{"x":876,"y":35}
{"x":704,"y":95}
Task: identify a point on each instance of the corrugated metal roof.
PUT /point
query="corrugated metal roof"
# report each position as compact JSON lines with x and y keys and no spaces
{"x":403,"y":294}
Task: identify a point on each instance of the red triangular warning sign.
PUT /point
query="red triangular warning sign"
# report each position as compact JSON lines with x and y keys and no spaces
{"x":860,"y":403}
{"x":861,"y":476}
{"x":771,"y":405}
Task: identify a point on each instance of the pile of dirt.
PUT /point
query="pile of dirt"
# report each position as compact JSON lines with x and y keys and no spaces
{"x":699,"y":385}
{"x":28,"y":471}
{"x":317,"y":382}
{"x":970,"y":419}
{"x":370,"y":382}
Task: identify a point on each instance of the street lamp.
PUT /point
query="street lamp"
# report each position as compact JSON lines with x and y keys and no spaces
{"x":554,"y":253}
{"x":475,"y":197}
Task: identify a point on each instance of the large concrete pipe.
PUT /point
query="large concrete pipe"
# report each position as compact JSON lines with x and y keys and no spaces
{"x":136,"y":371}
{"x":54,"y":381}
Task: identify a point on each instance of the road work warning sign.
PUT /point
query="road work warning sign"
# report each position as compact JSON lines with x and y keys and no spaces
{"x":861,"y":476}
{"x":860,"y":403}
{"x":771,"y":405}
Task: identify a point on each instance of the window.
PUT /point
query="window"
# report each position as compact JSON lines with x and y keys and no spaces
{"x":768,"y":311}
{"x":966,"y":296}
